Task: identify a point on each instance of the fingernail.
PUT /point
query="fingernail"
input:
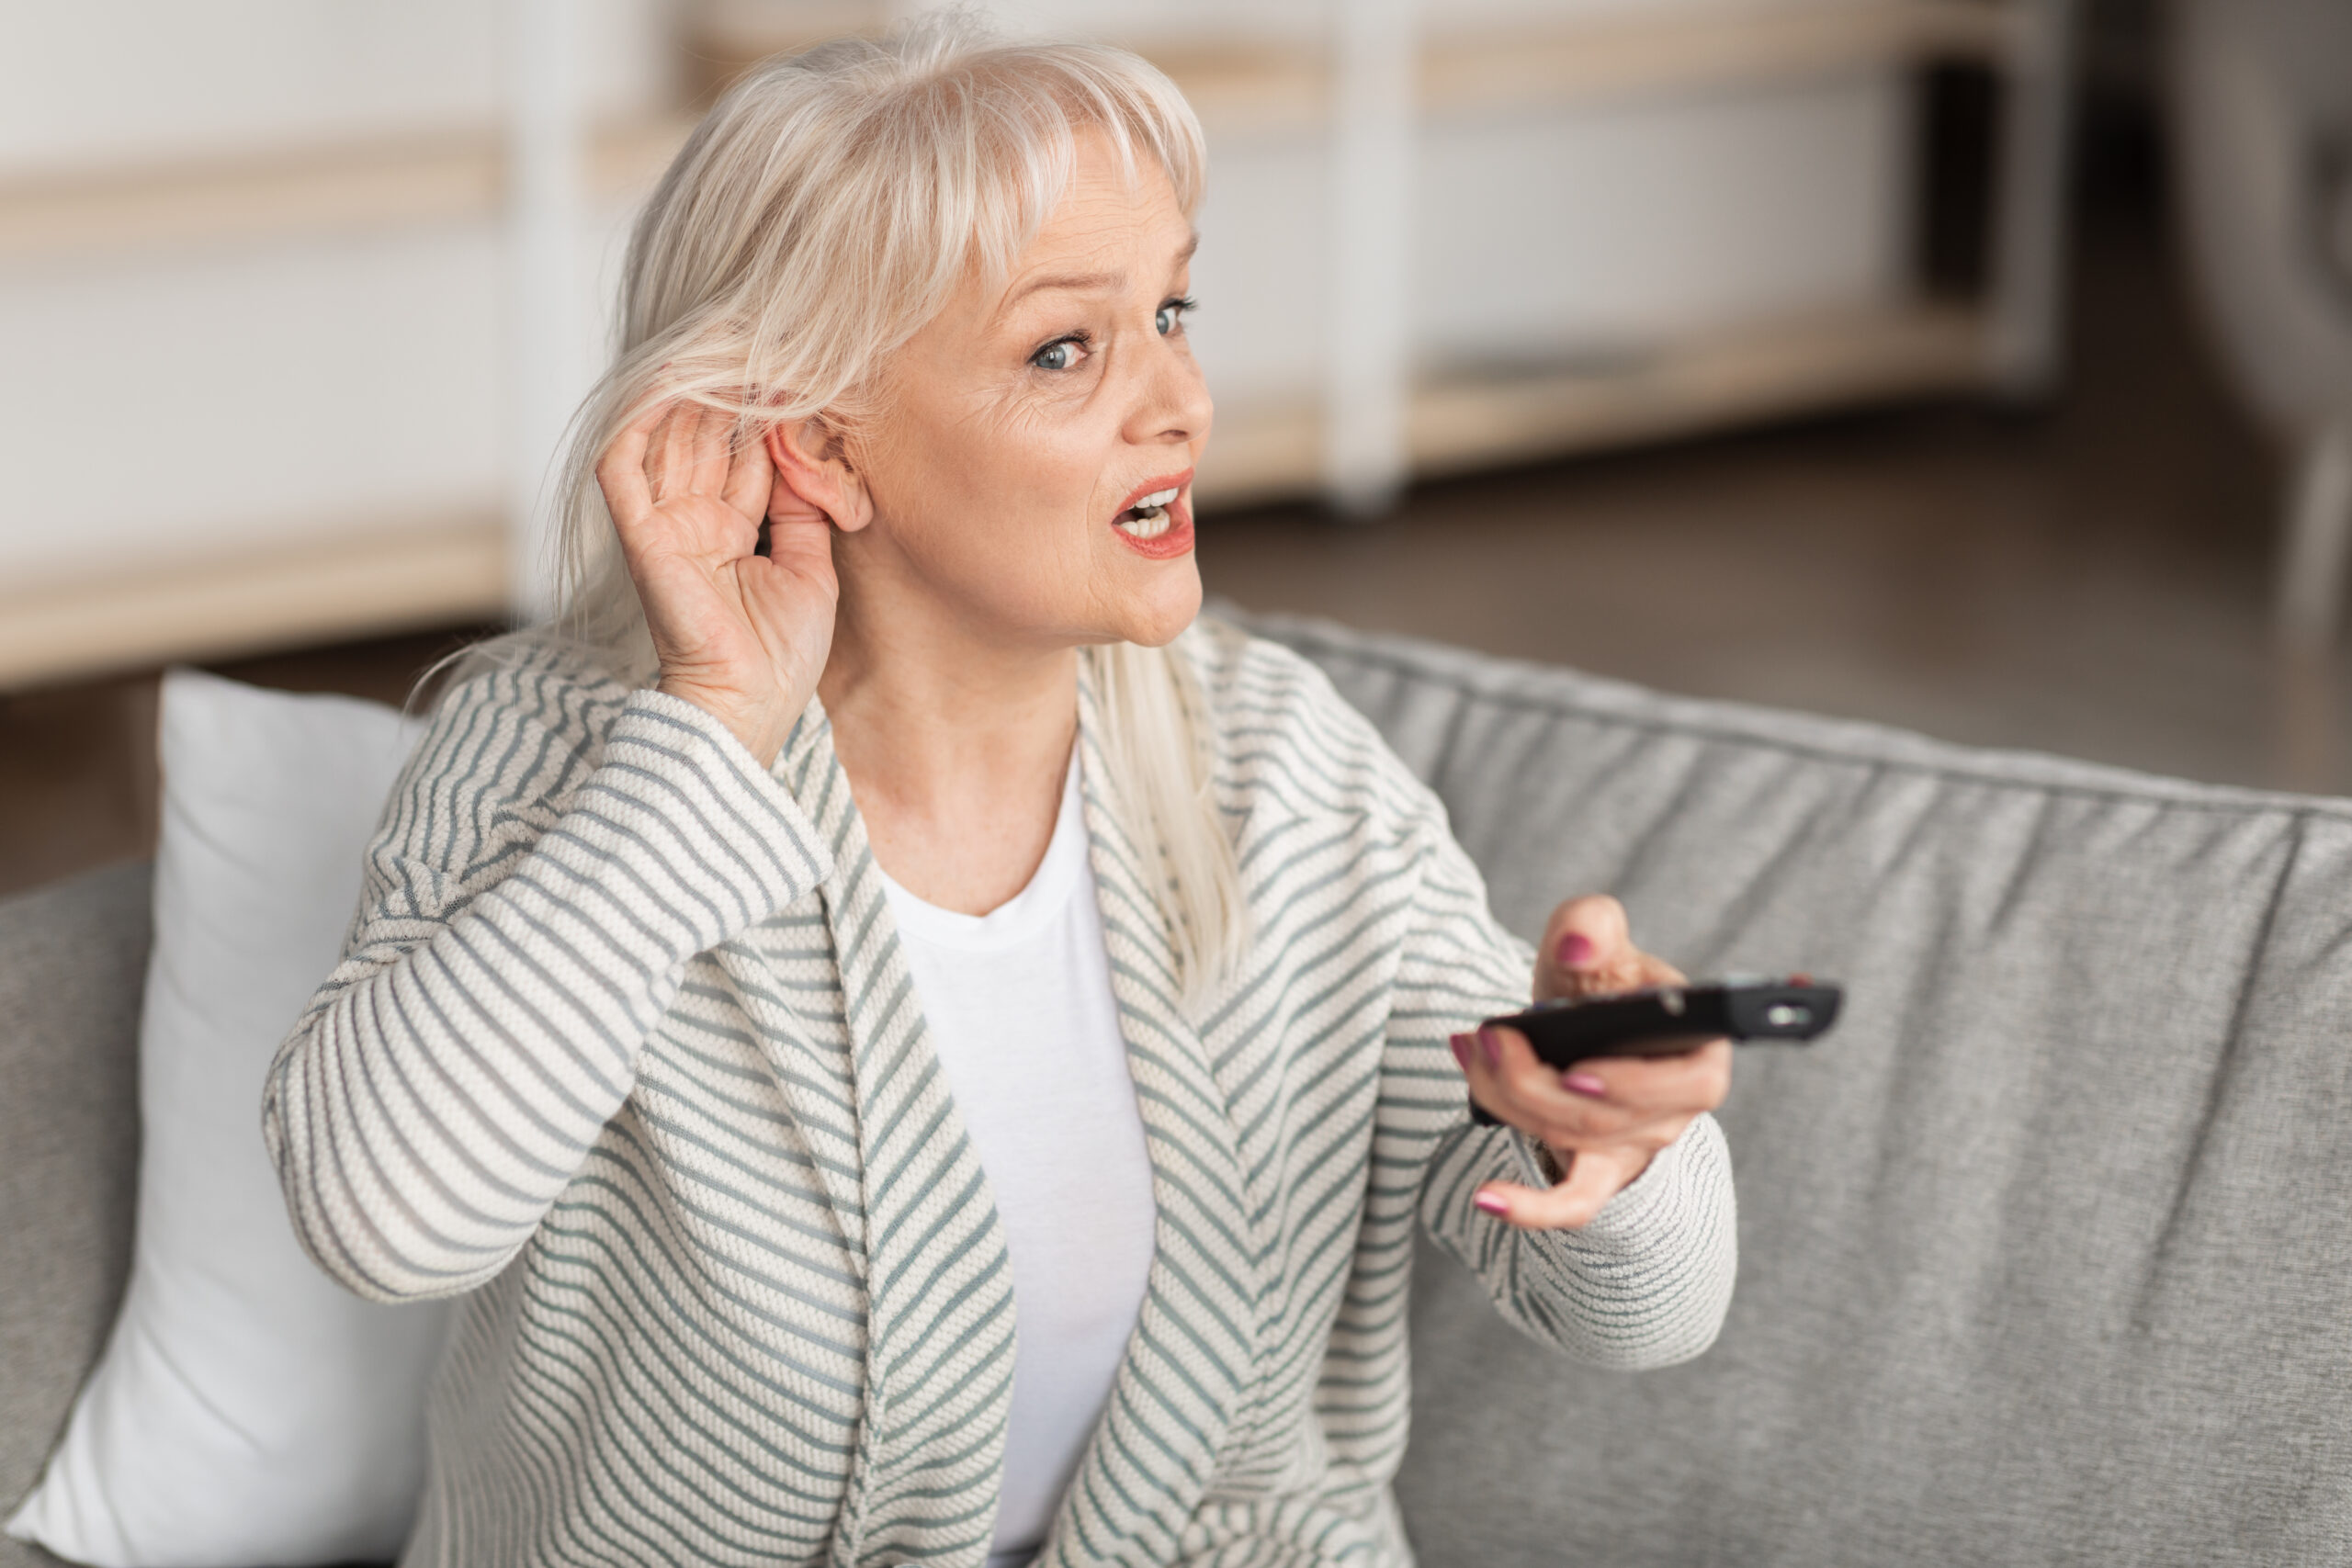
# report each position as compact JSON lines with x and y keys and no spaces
{"x":1584,"y":1083}
{"x":1576,"y":950}
{"x":1492,"y":1203}
{"x":1461,"y":1043}
{"x":1490,"y":1045}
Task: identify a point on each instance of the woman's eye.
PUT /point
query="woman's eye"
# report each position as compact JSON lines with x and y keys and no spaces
{"x":1060,"y":354}
{"x":1171,"y":315}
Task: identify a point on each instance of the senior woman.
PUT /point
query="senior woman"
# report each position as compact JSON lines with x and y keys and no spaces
{"x":913,"y":1048}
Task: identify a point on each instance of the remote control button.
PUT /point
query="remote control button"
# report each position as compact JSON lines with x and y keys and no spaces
{"x":1787,"y":1015}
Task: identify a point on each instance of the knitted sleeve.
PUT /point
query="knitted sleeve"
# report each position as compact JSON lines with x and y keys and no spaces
{"x":554,"y":854}
{"x":1647,"y":1281}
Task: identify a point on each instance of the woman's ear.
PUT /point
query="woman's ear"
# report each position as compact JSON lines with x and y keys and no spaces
{"x":813,"y":477}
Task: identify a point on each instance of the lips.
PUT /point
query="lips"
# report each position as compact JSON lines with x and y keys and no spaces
{"x":1154,"y":521}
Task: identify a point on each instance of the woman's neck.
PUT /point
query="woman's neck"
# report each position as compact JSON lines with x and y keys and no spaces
{"x":955,"y":747}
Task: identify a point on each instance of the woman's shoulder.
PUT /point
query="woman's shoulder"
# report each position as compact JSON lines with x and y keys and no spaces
{"x":1281,"y":728}
{"x":536,"y":682}
{"x":521,"y":715}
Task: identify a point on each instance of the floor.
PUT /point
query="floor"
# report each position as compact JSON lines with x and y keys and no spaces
{"x":2090,"y":578}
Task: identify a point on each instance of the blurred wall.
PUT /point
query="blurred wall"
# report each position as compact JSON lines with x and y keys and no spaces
{"x":271,"y":382}
{"x":231,"y":389}
{"x":94,"y":85}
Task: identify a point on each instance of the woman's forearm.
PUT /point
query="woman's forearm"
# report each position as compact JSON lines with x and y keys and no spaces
{"x":448,"y":1080}
{"x":1646,"y":1280}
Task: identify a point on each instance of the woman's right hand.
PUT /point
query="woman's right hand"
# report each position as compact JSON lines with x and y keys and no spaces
{"x":739,"y":634}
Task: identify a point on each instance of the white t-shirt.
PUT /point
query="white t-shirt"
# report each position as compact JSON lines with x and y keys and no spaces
{"x":1021,"y":1012}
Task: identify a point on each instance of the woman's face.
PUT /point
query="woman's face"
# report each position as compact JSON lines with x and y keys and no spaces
{"x":1030,"y":464}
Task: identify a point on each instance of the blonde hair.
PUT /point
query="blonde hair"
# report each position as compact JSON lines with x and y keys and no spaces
{"x":821,"y":215}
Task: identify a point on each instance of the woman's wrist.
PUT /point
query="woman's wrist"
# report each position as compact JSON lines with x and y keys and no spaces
{"x":759,"y":730}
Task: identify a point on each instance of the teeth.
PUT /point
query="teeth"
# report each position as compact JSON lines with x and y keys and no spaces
{"x":1147,"y":518}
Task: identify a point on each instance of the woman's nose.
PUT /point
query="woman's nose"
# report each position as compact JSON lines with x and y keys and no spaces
{"x":1175,"y":406}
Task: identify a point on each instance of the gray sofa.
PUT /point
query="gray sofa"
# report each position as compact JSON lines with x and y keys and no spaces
{"x":2047,"y":1252}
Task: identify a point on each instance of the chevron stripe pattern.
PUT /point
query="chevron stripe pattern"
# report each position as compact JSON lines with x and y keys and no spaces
{"x":625,"y":1051}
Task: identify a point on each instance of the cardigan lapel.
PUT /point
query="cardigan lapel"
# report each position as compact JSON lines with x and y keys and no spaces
{"x":940,"y":1309}
{"x":1196,"y":1344}
{"x":938,"y":1282}
{"x":787,"y":981}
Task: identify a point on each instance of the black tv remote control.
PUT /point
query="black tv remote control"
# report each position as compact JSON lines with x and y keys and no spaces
{"x":1666,"y":1020}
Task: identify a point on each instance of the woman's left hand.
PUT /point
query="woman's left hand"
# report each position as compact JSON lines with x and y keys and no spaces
{"x":1604,"y":1120}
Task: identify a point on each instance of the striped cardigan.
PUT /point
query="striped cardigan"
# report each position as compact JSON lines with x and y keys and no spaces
{"x":624,"y":1046}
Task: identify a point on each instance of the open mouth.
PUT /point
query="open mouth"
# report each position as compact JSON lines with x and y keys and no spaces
{"x":1156,"y":522}
{"x":1149,"y":517}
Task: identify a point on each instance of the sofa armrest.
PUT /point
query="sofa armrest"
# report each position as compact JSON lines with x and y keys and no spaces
{"x":72,"y":969}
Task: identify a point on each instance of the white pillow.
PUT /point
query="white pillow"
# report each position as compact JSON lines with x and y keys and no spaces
{"x":247,"y":1410}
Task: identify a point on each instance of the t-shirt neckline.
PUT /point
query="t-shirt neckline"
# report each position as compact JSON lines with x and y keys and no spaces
{"x":1023,"y":915}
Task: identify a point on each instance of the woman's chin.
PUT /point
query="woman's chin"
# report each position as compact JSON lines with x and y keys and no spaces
{"x":1159,"y":614}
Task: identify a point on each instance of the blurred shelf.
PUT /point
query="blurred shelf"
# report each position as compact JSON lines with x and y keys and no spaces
{"x":357,"y":188}
{"x":391,"y":582}
{"x":1244,"y":90}
{"x":1240,"y":91}
{"x":724,"y":37}
{"x":1248,"y":87}
{"x":1236,"y":87}
{"x":1708,"y":46}
{"x":1734,"y":377}
{"x":1267,"y":449}
{"x":1497,"y":414}
{"x":1459,"y":417}
{"x":255,"y":602}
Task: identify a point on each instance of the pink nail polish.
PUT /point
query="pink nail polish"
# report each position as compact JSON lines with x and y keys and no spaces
{"x":1461,"y":1043}
{"x":1490,"y":1045}
{"x":1492,"y":1203}
{"x":1584,"y":1083}
{"x":1576,"y":950}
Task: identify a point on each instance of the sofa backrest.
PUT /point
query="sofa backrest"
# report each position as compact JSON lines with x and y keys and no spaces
{"x":2046,"y":1252}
